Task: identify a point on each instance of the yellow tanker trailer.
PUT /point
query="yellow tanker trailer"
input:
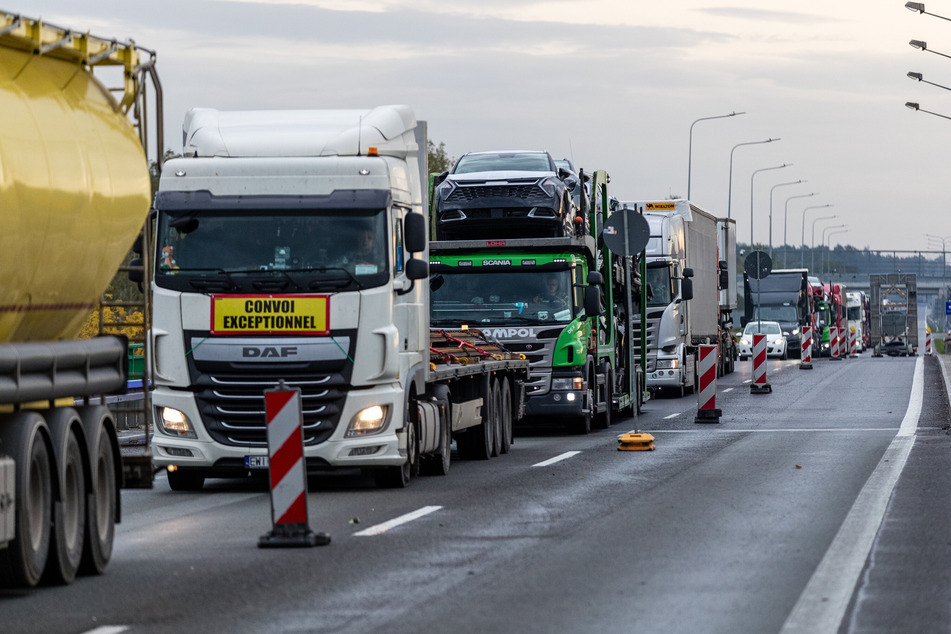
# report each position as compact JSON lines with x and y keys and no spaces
{"x":74,"y":194}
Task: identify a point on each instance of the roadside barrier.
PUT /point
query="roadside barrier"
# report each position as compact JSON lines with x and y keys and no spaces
{"x":805,"y":354}
{"x":707,"y":411}
{"x":287,"y":471}
{"x":834,"y":343}
{"x":853,"y":344}
{"x":759,"y":384}
{"x":928,"y":348}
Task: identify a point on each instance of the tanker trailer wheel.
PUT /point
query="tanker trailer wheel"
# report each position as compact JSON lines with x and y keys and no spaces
{"x":26,"y":438}
{"x":102,"y":503}
{"x":69,"y":511}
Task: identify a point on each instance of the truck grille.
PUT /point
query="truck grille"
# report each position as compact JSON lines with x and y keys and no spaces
{"x":653,"y":324}
{"x":232,"y":406}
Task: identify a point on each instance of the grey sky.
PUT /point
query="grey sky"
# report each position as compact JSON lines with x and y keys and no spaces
{"x":612,"y":84}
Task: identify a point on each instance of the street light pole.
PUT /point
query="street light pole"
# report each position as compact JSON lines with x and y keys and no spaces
{"x":915,"y":106}
{"x":729,"y":196}
{"x":923,"y":46}
{"x":829,"y":247}
{"x":920,"y":8}
{"x":771,"y":211}
{"x":920,"y":77}
{"x":802,"y":238}
{"x":812,"y":249}
{"x":823,"y":241}
{"x":690,"y":144}
{"x":785,"y":214}
{"x":752,"y":178}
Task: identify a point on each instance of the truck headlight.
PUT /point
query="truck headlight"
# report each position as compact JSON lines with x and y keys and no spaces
{"x":175,"y":423}
{"x":369,"y":420}
{"x":570,"y":383}
{"x":671,"y":364}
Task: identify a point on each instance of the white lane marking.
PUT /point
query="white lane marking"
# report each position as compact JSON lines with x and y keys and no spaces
{"x":558,"y":458}
{"x":729,"y":389}
{"x":107,"y":629}
{"x":397,"y":521}
{"x":822,"y":605}
{"x":706,"y":430}
{"x":748,"y":381}
{"x":673,"y":415}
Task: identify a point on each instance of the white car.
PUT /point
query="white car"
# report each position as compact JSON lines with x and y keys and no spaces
{"x":775,"y":339}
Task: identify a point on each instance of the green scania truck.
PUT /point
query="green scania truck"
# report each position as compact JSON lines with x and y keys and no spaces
{"x":565,"y":302}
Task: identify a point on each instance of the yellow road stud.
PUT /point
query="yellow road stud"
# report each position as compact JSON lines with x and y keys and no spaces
{"x":636,"y":442}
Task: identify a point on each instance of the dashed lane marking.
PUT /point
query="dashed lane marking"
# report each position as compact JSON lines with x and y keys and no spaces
{"x":393,"y":523}
{"x":558,"y":458}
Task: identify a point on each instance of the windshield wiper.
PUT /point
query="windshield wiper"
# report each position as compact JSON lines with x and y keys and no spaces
{"x":206,"y":284}
{"x":276,"y":284}
{"x":336,"y":280}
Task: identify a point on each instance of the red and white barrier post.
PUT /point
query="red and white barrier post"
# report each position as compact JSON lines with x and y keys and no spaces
{"x":853,"y":343}
{"x":707,"y":411}
{"x":805,"y":354}
{"x":759,"y":384}
{"x":928,"y":349}
{"x":288,"y":472}
{"x":834,"y":343}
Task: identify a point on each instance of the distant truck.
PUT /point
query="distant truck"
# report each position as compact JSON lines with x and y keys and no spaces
{"x":683,"y":306}
{"x":893,"y":303}
{"x":292,"y":246}
{"x":74,"y":194}
{"x":858,"y":318}
{"x":784,"y":296}
{"x":565,"y":302}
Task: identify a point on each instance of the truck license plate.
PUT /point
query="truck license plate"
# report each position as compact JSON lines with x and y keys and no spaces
{"x":256,"y":462}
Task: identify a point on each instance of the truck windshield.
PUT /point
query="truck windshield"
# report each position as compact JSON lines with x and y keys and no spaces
{"x":660,"y":285}
{"x":275,"y":251}
{"x":504,"y":297}
{"x":778,"y":313}
{"x":854,"y":313}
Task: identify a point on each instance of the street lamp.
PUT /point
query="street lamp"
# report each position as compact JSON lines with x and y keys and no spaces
{"x":690,"y":144}
{"x":920,"y":8}
{"x":944,"y":248}
{"x":923,"y":46}
{"x":914,"y":106}
{"x":812,"y":249}
{"x":829,"y":248}
{"x":802,"y":238}
{"x":771,"y":211}
{"x":920,"y":77}
{"x":755,"y":172}
{"x":823,"y":242}
{"x":785,"y":214}
{"x":729,"y":197}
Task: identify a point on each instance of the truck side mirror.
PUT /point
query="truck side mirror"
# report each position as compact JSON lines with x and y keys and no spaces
{"x":688,"y":272}
{"x":414,"y":232}
{"x":724,"y":278}
{"x":592,"y":301}
{"x":135,"y":272}
{"x":686,"y":287}
{"x":594,"y":277}
{"x":417,"y":269}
